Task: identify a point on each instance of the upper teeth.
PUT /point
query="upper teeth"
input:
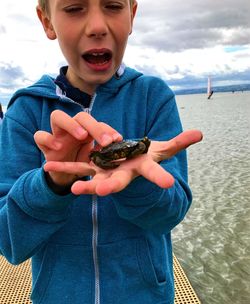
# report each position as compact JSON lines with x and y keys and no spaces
{"x":97,"y":54}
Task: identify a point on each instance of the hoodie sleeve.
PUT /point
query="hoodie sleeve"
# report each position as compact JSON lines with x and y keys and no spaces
{"x":29,"y":211}
{"x":142,"y":202}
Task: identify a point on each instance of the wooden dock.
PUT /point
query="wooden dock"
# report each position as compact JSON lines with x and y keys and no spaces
{"x":15,"y":284}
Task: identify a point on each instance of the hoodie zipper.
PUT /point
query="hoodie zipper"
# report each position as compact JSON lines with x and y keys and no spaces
{"x":95,"y":230}
{"x":94,"y":215}
{"x":59,"y":92}
{"x":94,"y":248}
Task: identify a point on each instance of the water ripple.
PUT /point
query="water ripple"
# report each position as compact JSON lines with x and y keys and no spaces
{"x":213,"y":242}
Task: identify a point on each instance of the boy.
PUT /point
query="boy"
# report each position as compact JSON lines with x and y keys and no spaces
{"x":104,"y":239}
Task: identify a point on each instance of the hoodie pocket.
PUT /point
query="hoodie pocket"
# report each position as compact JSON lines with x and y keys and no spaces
{"x":64,"y":276}
{"x":128,"y":275}
{"x":152,"y":262}
{"x":42,"y":267}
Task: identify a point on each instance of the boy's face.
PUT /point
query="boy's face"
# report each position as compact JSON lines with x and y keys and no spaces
{"x":92,"y":35}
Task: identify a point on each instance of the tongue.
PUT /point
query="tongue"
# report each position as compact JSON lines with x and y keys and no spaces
{"x":96,"y":59}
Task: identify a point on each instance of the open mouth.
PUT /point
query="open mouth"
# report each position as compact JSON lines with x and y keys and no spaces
{"x":97,"y":57}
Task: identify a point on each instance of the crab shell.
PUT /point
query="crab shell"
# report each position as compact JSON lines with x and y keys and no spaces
{"x":125,"y":149}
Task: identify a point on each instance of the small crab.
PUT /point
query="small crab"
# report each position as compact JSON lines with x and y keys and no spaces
{"x":106,"y":158}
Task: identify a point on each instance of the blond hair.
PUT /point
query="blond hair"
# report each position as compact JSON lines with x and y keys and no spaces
{"x":44,"y":4}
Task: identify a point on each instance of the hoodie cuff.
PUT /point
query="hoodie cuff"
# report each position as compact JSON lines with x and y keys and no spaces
{"x":35,"y":198}
{"x":57,"y":189}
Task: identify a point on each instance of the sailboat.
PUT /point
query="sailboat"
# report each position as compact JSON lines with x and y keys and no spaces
{"x":209,"y":88}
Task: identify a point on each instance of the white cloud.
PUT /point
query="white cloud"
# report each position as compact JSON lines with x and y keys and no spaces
{"x":177,"y":40}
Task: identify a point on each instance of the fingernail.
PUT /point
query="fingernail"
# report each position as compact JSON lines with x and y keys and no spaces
{"x":117,"y":137}
{"x":80,"y":132}
{"x":106,"y":139}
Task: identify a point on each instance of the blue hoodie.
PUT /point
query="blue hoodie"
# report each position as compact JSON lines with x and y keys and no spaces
{"x":88,"y":249}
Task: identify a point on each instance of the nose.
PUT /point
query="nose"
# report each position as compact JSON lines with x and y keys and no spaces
{"x":96,"y":24}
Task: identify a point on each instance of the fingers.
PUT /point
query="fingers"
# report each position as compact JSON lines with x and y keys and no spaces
{"x":74,"y":168}
{"x":155,"y":173}
{"x":80,"y":187}
{"x":183,"y":141}
{"x":117,"y":181}
{"x":82,"y":125}
{"x":112,"y":181}
{"x":102,"y":185}
{"x":88,"y":187}
{"x":101,"y":132}
{"x":62,"y":122}
{"x":166,"y":149}
{"x":187,"y":138}
{"x":45,"y":141}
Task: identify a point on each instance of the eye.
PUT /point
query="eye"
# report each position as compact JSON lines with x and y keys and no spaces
{"x":73,"y":9}
{"x":114,"y":6}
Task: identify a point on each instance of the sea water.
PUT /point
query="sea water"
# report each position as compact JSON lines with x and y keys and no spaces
{"x":213,"y":242}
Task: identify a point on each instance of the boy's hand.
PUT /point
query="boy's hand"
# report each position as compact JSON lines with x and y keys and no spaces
{"x":71,"y":140}
{"x":110,"y":181}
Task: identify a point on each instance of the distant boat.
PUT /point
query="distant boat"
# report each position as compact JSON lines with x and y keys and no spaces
{"x":209,"y":88}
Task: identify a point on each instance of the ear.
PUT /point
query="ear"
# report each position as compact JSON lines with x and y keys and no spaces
{"x":46,"y":23}
{"x":133,"y":12}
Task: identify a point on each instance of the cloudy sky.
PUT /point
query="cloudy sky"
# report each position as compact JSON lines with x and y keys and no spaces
{"x":181,"y":41}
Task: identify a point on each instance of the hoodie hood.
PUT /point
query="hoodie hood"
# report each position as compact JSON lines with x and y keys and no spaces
{"x":46,"y":87}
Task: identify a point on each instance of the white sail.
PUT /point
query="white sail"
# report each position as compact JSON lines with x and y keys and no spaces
{"x":209,"y":88}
